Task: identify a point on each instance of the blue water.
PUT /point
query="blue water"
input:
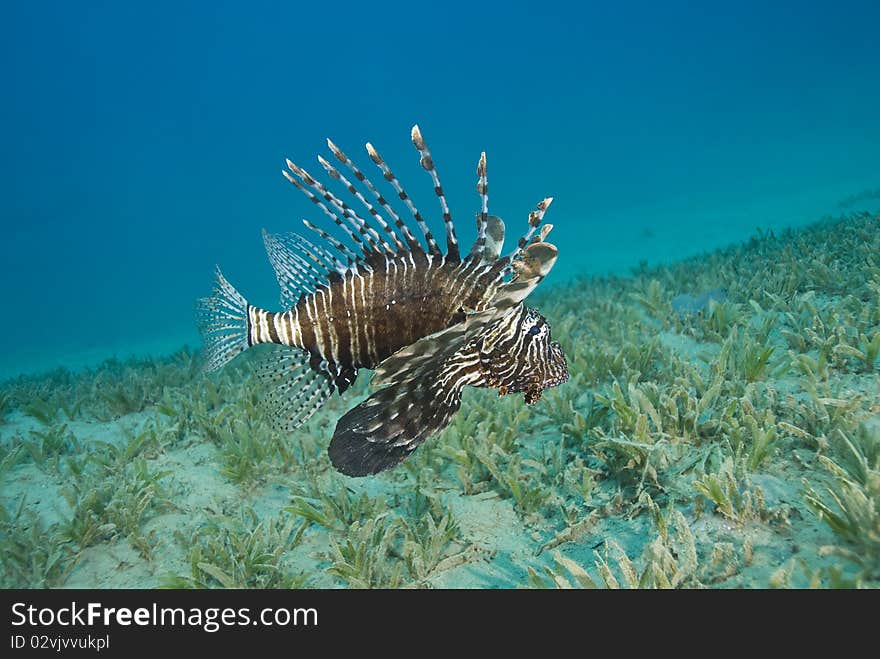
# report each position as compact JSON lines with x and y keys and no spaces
{"x":142,"y":142}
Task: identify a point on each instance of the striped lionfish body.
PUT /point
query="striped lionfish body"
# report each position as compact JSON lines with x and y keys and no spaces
{"x":428,"y":322}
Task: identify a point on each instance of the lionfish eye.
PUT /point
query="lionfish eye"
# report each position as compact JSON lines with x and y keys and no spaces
{"x":534,"y":331}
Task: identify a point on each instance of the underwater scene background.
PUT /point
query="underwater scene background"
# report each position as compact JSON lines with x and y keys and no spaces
{"x":716,"y":207}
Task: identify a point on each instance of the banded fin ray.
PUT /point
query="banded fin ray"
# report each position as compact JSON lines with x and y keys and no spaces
{"x":389,"y":425}
{"x":427,"y":163}
{"x":296,"y":275}
{"x":222,"y":319}
{"x":398,"y":222}
{"x":293,"y":388}
{"x":377,"y":159}
{"x":344,"y":250}
{"x":535,"y":219}
{"x":479,"y":247}
{"x":364,"y":226}
{"x":353,"y":223}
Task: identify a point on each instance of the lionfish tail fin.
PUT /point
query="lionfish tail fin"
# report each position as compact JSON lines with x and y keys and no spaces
{"x":388,"y":426}
{"x":223,"y":322}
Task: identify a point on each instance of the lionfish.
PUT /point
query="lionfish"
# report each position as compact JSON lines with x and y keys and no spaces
{"x":428,"y":323}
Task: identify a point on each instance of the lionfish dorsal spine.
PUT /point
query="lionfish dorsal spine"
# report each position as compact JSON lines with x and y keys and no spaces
{"x":398,"y":222}
{"x":357,"y":223}
{"x":433,"y":247}
{"x":336,"y":174}
{"x":427,"y":163}
{"x":320,"y":256}
{"x":350,"y":227}
{"x":479,"y":247}
{"x":367,"y":231}
{"x":351,"y":259}
{"x":535,"y":219}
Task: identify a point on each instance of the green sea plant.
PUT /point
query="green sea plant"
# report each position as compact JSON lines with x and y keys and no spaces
{"x":669,"y":561}
{"x":116,"y":389}
{"x":10,"y":458}
{"x":33,"y":556}
{"x":557,"y":405}
{"x":366,"y":556}
{"x":516,"y":479}
{"x":245,"y":451}
{"x":579,"y":479}
{"x":45,"y":446}
{"x":850,"y":505}
{"x":112,"y":501}
{"x":722,"y":318}
{"x":336,"y":507}
{"x":733,"y":498}
{"x":123,"y":399}
{"x":139,"y":492}
{"x":752,"y":429}
{"x":426,"y":542}
{"x":746,"y":358}
{"x":654,"y":299}
{"x":824,"y":410}
{"x":485,"y":452}
{"x":241,"y":552}
{"x":84,"y":528}
{"x":814,"y":370}
{"x":866,"y":353}
{"x":635,"y":445}
{"x":577,"y":529}
{"x":5,"y":405}
{"x":763,"y":440}
{"x":583,"y":420}
{"x":113,"y":457}
{"x":561,"y":576}
{"x":44,"y":411}
{"x":375,"y":545}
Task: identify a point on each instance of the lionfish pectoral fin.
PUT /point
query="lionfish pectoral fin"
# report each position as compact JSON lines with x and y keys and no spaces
{"x":421,"y":392}
{"x":430,"y":350}
{"x":293,"y":389}
{"x":386,"y":428}
{"x":514,"y":292}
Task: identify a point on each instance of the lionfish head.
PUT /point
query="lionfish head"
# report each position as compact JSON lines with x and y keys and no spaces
{"x":529,"y":361}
